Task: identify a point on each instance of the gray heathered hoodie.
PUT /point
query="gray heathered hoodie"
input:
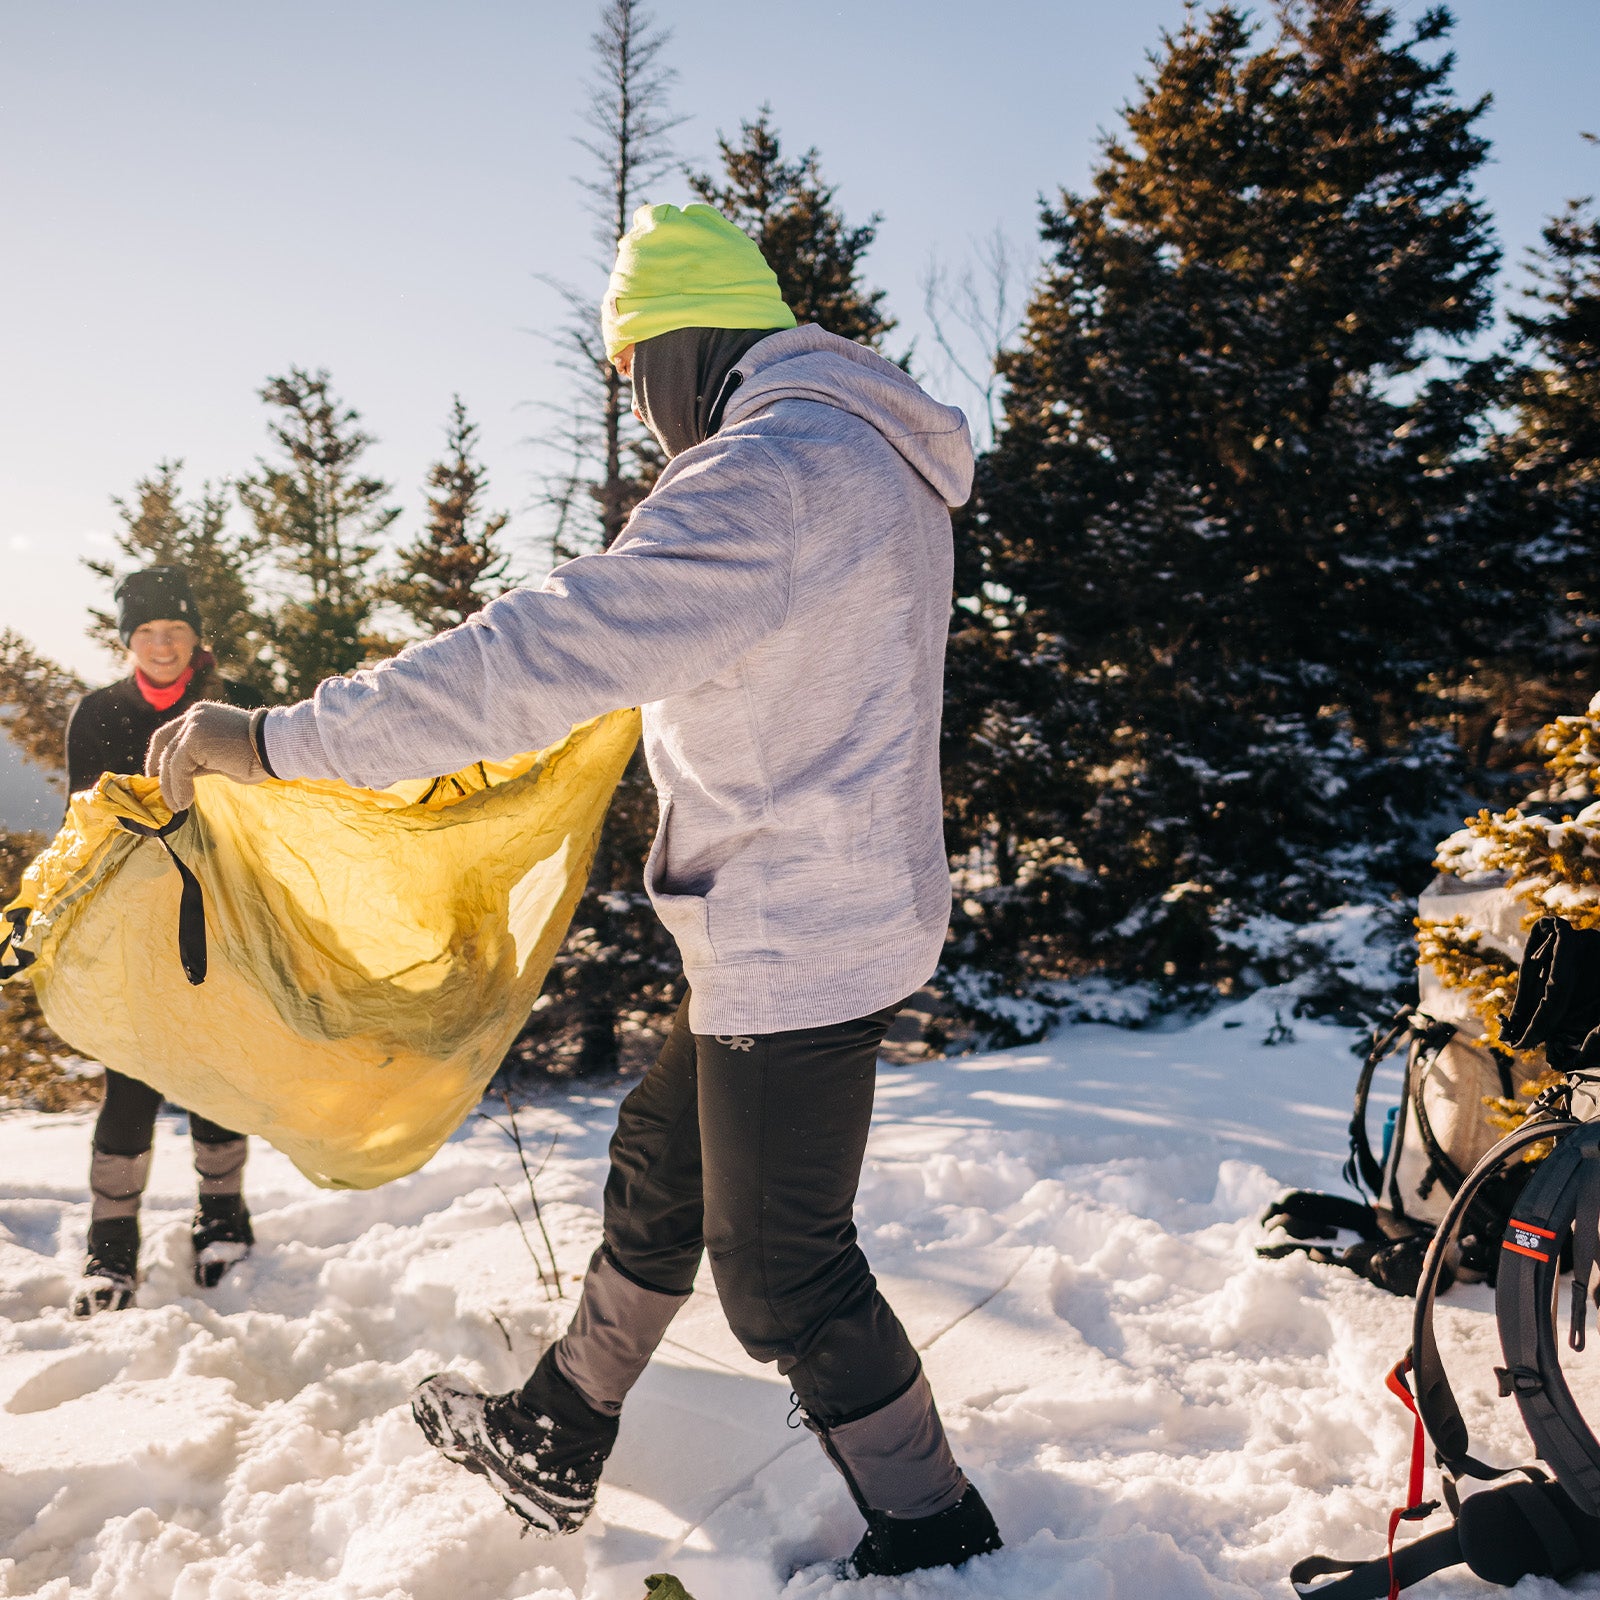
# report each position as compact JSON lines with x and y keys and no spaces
{"x":778,"y":606}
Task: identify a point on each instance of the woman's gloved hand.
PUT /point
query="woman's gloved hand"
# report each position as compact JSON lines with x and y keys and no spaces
{"x":207,"y":738}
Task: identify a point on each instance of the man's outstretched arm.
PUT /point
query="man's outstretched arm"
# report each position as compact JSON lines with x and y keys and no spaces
{"x":700,"y":575}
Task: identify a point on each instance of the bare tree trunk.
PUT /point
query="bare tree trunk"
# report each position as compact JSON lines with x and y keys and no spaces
{"x":614,"y":490}
{"x":629,"y":140}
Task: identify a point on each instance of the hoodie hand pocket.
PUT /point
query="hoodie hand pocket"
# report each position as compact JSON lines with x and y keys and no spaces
{"x":683,"y":915}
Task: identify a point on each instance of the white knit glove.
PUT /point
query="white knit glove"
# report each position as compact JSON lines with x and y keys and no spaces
{"x":207,"y":738}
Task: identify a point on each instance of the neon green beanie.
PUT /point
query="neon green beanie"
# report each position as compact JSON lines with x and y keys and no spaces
{"x":687,"y":269}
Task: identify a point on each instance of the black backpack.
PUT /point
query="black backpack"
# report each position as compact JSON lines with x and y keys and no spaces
{"x":1535,"y":1526}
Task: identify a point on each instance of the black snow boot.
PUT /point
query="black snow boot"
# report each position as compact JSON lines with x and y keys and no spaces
{"x":222,"y":1236}
{"x":541,"y":1446}
{"x":111,"y":1270}
{"x":893,"y":1546}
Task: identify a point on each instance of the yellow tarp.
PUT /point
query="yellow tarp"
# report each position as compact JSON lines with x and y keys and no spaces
{"x":370,"y":955}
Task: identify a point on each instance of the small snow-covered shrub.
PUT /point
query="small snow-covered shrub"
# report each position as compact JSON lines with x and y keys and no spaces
{"x":1540,"y":859}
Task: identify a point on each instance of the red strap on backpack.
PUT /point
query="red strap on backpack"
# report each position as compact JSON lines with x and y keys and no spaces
{"x":1416,"y":1508}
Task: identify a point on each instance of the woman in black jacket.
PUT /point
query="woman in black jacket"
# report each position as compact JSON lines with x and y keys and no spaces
{"x":110,"y":728}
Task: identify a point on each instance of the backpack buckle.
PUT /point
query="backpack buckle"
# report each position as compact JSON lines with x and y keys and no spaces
{"x":1518,"y":1381}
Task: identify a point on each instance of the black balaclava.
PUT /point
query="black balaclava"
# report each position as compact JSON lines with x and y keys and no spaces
{"x":680,"y":381}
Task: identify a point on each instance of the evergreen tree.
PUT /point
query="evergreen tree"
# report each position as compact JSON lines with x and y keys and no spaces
{"x":787,"y":208}
{"x":36,"y":700}
{"x":455,"y":566}
{"x":1217,"y":593}
{"x":158,"y":529}
{"x":322,"y":519}
{"x":1557,"y":392}
{"x":1550,"y":456}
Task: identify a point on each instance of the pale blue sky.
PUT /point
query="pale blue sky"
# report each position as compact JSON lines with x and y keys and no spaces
{"x":198,"y":195}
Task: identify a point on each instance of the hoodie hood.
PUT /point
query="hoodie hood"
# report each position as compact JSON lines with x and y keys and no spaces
{"x":808,"y":364}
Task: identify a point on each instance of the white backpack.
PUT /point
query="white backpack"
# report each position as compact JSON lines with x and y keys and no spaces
{"x":1439,"y":1128}
{"x":1435,"y":1130}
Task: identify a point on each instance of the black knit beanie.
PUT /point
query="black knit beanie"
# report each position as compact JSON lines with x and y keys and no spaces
{"x":157,"y":594}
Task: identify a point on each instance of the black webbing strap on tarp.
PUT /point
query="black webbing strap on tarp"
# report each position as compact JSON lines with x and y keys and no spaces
{"x":191,"y":903}
{"x":13,"y":958}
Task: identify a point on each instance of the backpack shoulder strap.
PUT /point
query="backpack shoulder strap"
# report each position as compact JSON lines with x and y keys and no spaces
{"x":1441,"y":1164}
{"x":1308,"y":1214}
{"x":1503,"y":1534}
{"x":1436,"y":1401}
{"x":1563,"y":1195}
{"x":1372,"y":1580}
{"x":1363,"y":1169}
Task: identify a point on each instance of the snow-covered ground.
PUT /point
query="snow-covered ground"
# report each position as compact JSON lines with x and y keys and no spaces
{"x":1067,"y":1229}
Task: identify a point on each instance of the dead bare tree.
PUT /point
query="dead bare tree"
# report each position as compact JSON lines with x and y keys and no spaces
{"x":617,"y":959}
{"x":612,"y":461}
{"x":976,"y":317}
{"x":550,"y":1282}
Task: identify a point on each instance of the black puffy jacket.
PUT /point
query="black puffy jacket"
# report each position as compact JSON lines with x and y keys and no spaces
{"x":110,"y":728}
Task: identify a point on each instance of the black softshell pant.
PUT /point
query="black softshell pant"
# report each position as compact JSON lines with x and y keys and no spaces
{"x":749,"y":1147}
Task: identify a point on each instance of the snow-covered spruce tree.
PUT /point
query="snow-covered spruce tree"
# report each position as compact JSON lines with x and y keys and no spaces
{"x":1215,"y":588}
{"x":1556,"y":392}
{"x":787,"y":208}
{"x":160,"y":529}
{"x":456,"y":565}
{"x":1550,"y":856}
{"x":322,"y":520}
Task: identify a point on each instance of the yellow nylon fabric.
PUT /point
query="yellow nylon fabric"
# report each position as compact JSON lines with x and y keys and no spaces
{"x":371,"y":954}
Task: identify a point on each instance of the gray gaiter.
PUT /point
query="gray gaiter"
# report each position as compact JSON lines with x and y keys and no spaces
{"x":681,"y":381}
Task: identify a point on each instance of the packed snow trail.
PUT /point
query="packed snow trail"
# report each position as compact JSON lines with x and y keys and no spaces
{"x":1067,"y":1230}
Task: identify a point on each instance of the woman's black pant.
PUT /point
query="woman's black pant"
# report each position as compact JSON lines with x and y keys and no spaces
{"x":119,"y":1165}
{"x":126,"y":1125}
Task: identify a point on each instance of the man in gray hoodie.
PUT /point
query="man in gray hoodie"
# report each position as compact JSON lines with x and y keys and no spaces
{"x":778,"y":605}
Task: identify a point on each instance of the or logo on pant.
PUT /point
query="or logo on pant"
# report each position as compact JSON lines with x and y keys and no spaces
{"x":736,"y":1041}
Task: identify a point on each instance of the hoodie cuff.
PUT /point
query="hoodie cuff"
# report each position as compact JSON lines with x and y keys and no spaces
{"x":258,"y":741}
{"x":295,"y":745}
